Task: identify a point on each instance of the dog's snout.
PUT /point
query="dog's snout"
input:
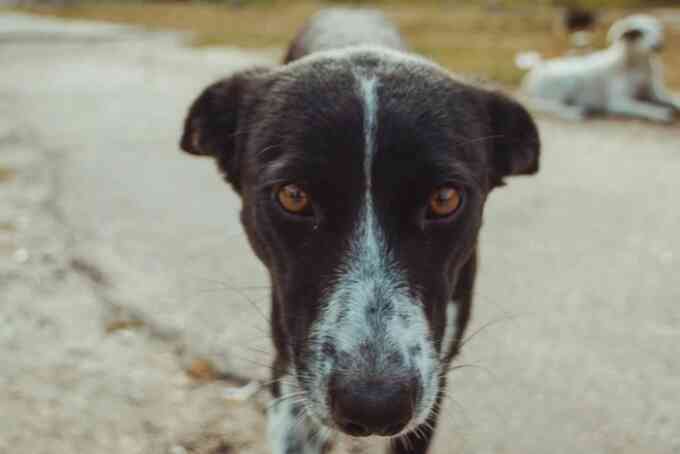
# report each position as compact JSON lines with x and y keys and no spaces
{"x":376,"y":406}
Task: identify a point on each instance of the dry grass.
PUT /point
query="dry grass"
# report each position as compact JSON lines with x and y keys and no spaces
{"x":472,"y":40}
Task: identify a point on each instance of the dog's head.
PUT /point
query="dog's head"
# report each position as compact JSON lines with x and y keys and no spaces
{"x":363,"y":176}
{"x":640,"y":33}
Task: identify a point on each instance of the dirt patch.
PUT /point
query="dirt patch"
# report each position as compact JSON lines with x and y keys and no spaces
{"x":206,"y":444}
{"x":7,"y":174}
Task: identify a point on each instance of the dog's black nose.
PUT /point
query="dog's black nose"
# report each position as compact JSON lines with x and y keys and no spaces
{"x":380,"y":406}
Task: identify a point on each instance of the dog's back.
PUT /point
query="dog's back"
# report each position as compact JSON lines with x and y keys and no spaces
{"x":337,"y":28}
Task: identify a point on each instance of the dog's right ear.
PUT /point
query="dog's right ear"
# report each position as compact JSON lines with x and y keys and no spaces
{"x":215,"y":118}
{"x":515,"y":145}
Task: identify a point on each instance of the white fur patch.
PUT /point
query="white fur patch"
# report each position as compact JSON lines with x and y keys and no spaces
{"x":451,"y":329}
{"x":370,"y":305}
{"x":290,"y":429}
{"x":370,"y":95}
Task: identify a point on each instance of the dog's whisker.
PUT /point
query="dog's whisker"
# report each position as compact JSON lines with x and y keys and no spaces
{"x":409,"y":442}
{"x":453,"y":367}
{"x":479,"y":139}
{"x":458,"y":405}
{"x":207,"y":279}
{"x":265,"y":353}
{"x":485,"y":326}
{"x":268,"y":148}
{"x":253,"y":362}
{"x":300,"y":416}
{"x":280,"y":380}
{"x":481,"y":367}
{"x":292,"y":398}
{"x":289,"y":399}
{"x":287,"y":396}
{"x":235,"y":289}
{"x":221,"y":287}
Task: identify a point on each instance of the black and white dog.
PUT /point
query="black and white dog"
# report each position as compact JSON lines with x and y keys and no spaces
{"x":363,"y":172}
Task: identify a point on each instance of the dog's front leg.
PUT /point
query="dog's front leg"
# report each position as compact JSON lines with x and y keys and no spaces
{"x":658,"y":92}
{"x":291,"y":430}
{"x":634,"y":108}
{"x":662,"y":96}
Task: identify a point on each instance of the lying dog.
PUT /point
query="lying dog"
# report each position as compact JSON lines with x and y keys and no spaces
{"x":363,"y":172}
{"x":625,"y":79}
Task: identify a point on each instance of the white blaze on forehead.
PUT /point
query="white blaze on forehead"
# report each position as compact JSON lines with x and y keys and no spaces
{"x":370,"y":98}
{"x":369,"y":273}
{"x":369,"y":251}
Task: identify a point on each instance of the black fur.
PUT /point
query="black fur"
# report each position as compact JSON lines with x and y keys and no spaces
{"x":578,"y":19}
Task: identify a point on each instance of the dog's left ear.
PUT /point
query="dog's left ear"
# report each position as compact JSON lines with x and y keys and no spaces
{"x":514,"y":144}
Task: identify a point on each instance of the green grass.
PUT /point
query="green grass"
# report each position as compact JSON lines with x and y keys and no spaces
{"x":472,"y":39}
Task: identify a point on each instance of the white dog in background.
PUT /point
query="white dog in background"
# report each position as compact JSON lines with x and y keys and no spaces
{"x":624,"y":79}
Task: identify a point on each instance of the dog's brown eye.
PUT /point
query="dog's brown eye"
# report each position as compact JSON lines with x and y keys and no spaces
{"x":294,"y":200}
{"x":444,"y":202}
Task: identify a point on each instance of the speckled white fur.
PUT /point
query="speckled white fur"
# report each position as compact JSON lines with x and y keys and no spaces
{"x":290,"y":429}
{"x":370,"y":273}
{"x":450,"y":330}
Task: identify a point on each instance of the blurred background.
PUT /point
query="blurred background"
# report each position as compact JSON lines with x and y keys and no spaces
{"x":131,"y":304}
{"x":477,"y":37}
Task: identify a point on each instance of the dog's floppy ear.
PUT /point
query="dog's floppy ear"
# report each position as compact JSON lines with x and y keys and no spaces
{"x":212,"y":126}
{"x":514,"y":141}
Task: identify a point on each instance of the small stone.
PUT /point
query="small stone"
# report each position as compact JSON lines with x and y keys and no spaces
{"x":177,"y":449}
{"x":21,"y":255}
{"x":241,"y":393}
{"x":666,"y":257}
{"x":202,"y":369}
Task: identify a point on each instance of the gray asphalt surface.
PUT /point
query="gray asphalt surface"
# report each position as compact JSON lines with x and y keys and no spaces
{"x":122,"y":261}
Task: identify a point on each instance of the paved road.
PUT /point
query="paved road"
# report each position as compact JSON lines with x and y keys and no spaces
{"x":122,"y":262}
